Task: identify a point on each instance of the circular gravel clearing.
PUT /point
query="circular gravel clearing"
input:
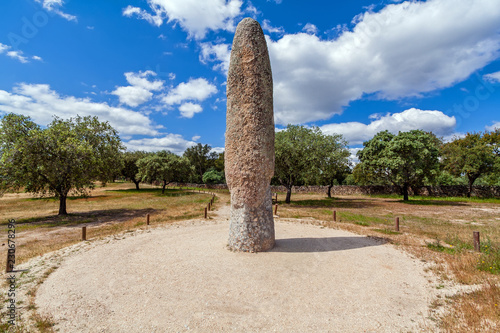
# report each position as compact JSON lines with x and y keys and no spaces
{"x":183,"y":278}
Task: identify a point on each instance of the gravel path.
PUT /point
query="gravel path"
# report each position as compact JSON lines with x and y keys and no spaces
{"x":182,"y":278}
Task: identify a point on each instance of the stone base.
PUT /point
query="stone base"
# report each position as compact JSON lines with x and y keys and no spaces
{"x":252,"y":228}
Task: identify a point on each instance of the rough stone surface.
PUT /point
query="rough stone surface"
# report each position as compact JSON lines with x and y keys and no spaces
{"x":249,"y":155}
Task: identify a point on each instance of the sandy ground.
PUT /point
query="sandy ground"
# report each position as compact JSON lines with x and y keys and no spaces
{"x":182,"y":278}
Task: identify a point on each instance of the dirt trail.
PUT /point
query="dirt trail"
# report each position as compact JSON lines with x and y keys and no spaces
{"x":182,"y":278}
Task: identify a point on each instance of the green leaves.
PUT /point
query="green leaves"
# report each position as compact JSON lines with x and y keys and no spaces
{"x":164,"y":166}
{"x":307,"y":156}
{"x":407,"y":159}
{"x":473,"y":155}
{"x":69,"y":155}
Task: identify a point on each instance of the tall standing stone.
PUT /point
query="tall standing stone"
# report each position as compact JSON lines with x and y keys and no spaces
{"x":249,"y":155}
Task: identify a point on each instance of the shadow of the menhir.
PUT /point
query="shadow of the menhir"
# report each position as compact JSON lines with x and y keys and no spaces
{"x":324,"y":244}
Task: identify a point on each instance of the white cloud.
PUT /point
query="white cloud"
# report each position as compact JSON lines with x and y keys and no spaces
{"x":431,"y":121}
{"x":496,"y":125}
{"x":41,"y":103}
{"x":171,"y":142}
{"x":140,"y":80}
{"x":251,"y":9}
{"x":266,"y":25}
{"x":196,"y":138}
{"x":310,"y":29}
{"x":194,"y":16}
{"x":216,"y":53}
{"x":493,"y":77}
{"x":132,"y":95}
{"x":54,"y":6}
{"x":218,"y":150}
{"x":353,"y":156}
{"x":193,"y":90}
{"x":17,"y":55}
{"x":140,"y":89}
{"x":390,"y":54}
{"x":3,"y":48}
{"x":189,"y":109}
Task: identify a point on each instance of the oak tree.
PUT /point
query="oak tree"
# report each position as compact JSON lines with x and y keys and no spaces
{"x":68,"y":155}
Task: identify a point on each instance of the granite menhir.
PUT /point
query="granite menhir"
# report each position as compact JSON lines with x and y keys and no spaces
{"x":249,"y":155}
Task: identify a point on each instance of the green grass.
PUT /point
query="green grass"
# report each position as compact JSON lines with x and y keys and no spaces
{"x":387,"y":231}
{"x":424,"y":200}
{"x":490,"y":258}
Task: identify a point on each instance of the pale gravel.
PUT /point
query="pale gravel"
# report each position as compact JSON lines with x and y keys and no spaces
{"x":183,"y":278}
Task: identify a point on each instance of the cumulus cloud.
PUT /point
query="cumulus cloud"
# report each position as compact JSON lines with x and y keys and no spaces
{"x":496,"y":125}
{"x":55,"y":7}
{"x":132,"y":96}
{"x":493,"y":77}
{"x":41,"y":103}
{"x":171,"y":142}
{"x":390,"y":54}
{"x":193,"y":90}
{"x":140,"y":89}
{"x":196,"y":17}
{"x":220,"y":53}
{"x":431,"y":121}
{"x":266,"y":26}
{"x":310,"y":29}
{"x":353,"y":157}
{"x":189,"y":109}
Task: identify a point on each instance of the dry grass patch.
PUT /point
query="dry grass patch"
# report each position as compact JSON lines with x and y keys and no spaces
{"x":436,"y":230}
{"x":109,"y":210}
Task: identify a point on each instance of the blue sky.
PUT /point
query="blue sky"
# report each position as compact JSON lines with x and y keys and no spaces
{"x":156,"y":69}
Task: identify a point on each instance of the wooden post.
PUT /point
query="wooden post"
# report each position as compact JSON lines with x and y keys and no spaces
{"x":334,"y":216}
{"x":84,"y":233}
{"x":477,"y":242}
{"x":209,"y":208}
{"x":276,"y":210}
{"x":276,"y":197}
{"x":147,"y":219}
{"x":397,"y":224}
{"x":206,"y":212}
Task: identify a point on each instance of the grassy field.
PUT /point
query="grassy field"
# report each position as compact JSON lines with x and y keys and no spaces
{"x":109,"y":210}
{"x":433,"y":229}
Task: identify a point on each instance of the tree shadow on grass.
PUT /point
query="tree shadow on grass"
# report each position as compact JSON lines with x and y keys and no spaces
{"x":96,"y":217}
{"x":157,"y":191}
{"x":431,"y":202}
{"x":334,"y":203}
{"x":324,"y":244}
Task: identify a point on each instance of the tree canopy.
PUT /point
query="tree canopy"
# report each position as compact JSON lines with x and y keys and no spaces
{"x":405,"y":160}
{"x":130,"y":168}
{"x":68,"y":155}
{"x":307,"y":156}
{"x":473,"y":156}
{"x":202,"y":158}
{"x":164,"y":166}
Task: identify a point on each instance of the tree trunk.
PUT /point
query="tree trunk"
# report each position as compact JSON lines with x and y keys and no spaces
{"x":136,"y":184}
{"x":405,"y":192}
{"x":62,"y":205}
{"x":163,"y":187}
{"x":471,"y":181}
{"x":288,"y":194}
{"x":329,"y":190}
